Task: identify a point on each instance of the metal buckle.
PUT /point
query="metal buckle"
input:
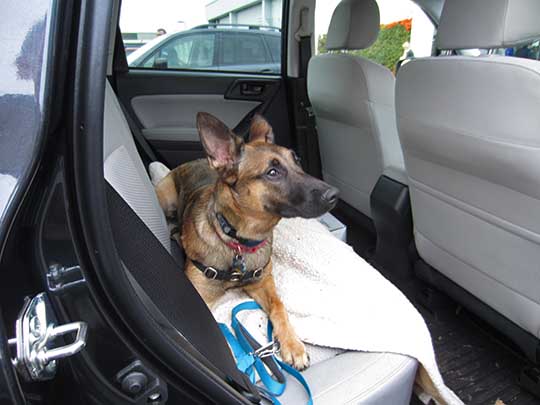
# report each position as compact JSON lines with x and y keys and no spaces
{"x":210,"y":273}
{"x":236,"y":276}
{"x":258,"y":273}
{"x":60,"y":278}
{"x":269,"y":349}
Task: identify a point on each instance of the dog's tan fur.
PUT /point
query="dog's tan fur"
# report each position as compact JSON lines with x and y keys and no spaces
{"x":230,"y":182}
{"x":192,"y":193}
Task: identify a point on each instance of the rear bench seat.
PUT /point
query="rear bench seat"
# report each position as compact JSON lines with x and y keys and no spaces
{"x":351,"y":377}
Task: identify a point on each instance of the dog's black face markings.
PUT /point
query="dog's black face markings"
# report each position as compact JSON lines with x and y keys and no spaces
{"x":292,"y":192}
{"x":266,"y":178}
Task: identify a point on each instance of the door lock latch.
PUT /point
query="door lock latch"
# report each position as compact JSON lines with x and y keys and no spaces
{"x":37,"y":338}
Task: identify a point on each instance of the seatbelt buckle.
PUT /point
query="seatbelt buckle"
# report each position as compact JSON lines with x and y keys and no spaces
{"x":270,"y":349}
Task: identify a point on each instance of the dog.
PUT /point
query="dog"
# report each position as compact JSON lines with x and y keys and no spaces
{"x":227,"y":207}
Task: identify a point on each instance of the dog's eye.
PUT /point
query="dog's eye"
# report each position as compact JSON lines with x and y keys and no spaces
{"x":272,"y":173}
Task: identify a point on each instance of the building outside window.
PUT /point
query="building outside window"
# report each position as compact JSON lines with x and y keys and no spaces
{"x":258,"y":12}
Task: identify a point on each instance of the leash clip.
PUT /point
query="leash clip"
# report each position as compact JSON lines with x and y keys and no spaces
{"x":236,"y":276}
{"x":270,"y":349}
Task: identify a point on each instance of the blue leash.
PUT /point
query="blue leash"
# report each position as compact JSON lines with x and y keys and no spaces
{"x":252,"y":361}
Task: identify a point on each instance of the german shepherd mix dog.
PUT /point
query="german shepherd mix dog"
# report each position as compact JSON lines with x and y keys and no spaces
{"x":227,"y":207}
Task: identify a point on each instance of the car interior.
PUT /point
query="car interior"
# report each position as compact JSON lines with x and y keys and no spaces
{"x":438,"y":168}
{"x":435,"y":134}
{"x":465,"y":185}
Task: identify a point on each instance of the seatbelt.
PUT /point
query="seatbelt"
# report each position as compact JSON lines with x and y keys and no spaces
{"x":306,"y":125}
{"x":169,"y":289}
{"x":252,"y":358}
{"x":120,"y":66}
{"x":145,"y":150}
{"x":304,"y":54}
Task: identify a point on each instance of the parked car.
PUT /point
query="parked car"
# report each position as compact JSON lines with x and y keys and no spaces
{"x":242,"y":48}
{"x":132,"y":45}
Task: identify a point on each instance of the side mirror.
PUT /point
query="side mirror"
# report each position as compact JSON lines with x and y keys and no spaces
{"x":161,"y":63}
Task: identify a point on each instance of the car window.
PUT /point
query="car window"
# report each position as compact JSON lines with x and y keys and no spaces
{"x":223,"y":35}
{"x":201,"y":53}
{"x":183,"y":51}
{"x":274,"y":44}
{"x":243,"y":49}
{"x":406,"y":32}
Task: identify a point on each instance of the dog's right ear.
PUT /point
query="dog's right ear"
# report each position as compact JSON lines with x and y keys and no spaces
{"x":222,"y":147}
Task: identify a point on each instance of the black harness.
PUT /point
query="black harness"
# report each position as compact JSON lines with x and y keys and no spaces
{"x":237,"y":272}
{"x":228,"y":275}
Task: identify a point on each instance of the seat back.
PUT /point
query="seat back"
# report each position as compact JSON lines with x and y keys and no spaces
{"x":353,"y":102}
{"x":470,"y":132}
{"x":125,"y":171}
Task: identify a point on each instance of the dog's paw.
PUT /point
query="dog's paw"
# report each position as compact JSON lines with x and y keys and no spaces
{"x":157,"y":172}
{"x":293,"y":352}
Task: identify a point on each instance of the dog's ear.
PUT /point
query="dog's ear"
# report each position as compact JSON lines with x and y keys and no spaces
{"x":260,"y":130}
{"x":222,"y":147}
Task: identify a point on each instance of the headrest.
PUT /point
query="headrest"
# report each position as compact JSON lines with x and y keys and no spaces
{"x":486,"y":24}
{"x":354,"y":25}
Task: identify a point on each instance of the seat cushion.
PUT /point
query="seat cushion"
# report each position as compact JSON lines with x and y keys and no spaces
{"x":356,"y":378}
{"x":351,"y":377}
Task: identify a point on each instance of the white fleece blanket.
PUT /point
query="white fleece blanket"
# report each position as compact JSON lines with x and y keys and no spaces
{"x":337,"y":301}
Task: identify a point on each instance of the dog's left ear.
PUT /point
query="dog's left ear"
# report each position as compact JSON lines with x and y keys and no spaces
{"x":260,"y":130}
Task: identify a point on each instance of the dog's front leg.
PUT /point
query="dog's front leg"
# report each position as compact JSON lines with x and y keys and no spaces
{"x":264,"y":292}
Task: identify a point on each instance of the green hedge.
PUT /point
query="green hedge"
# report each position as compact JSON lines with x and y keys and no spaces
{"x":386,"y":50}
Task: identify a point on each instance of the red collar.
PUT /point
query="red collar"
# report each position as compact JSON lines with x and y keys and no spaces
{"x":241,"y":249}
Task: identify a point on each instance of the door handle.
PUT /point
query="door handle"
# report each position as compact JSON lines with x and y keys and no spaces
{"x":251,"y":89}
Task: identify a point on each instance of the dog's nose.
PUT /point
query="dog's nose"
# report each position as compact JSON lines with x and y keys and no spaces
{"x":330,"y":195}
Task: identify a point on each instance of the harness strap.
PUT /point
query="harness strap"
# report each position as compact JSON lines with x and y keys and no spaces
{"x":228,"y":275}
{"x":252,"y":358}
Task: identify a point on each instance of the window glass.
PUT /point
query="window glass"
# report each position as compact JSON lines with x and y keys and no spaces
{"x":251,"y":49}
{"x":274,"y":44}
{"x":201,"y":54}
{"x":222,"y":35}
{"x":248,"y":52}
{"x":243,"y":49}
{"x":175,"y":53}
{"x":406,"y":32}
